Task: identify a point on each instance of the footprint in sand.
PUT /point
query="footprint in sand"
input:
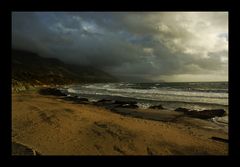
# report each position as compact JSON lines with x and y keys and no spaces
{"x":122,"y":137}
{"x":113,"y":130}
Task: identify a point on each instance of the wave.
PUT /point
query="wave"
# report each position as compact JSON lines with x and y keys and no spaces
{"x":152,"y":92}
{"x":154,"y":98}
{"x":204,"y":87}
{"x":220,"y":120}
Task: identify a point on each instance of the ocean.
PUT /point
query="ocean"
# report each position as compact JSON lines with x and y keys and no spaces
{"x":192,"y":95}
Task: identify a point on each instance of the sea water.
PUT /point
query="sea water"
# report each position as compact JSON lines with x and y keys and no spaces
{"x":191,"y":95}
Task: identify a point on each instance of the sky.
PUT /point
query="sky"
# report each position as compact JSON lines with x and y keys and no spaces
{"x":133,"y":46}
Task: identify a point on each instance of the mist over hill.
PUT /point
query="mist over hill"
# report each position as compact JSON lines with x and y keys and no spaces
{"x":29,"y":67}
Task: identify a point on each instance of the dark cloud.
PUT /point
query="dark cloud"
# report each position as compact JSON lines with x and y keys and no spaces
{"x":144,"y":45}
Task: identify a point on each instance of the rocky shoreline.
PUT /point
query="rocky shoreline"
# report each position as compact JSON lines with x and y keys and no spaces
{"x":200,"y":119}
{"x":53,"y":123}
{"x":115,"y":105}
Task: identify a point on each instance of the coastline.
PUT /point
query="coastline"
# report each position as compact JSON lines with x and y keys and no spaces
{"x":52,"y":125}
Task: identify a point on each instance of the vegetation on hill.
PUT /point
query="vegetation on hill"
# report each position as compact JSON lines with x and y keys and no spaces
{"x":30,"y":69}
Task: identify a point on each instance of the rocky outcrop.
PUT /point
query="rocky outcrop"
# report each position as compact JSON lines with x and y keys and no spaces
{"x":82,"y":99}
{"x":124,"y":102}
{"x":76,"y":99}
{"x":203,"y":114}
{"x":117,"y":103}
{"x":213,"y":113}
{"x":182,"y":109}
{"x":156,"y":107}
{"x":105,"y":101}
{"x":129,"y":106}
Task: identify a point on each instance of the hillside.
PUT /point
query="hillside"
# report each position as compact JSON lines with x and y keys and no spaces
{"x":30,"y":68}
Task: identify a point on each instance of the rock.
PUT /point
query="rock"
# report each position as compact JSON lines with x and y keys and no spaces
{"x":105,"y":101}
{"x":219,"y":139}
{"x":204,"y":114}
{"x":51,"y":91}
{"x":214,"y":113}
{"x":76,"y":99}
{"x":125,"y":102}
{"x":181,"y":109}
{"x":82,"y":99}
{"x":71,"y":98}
{"x":161,"y":115}
{"x":156,"y":107}
{"x":129,"y":106}
{"x":22,"y":150}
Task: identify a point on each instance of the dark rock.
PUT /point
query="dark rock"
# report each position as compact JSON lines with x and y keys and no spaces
{"x":129,"y":106}
{"x":214,"y":113}
{"x":125,"y":102}
{"x":156,"y":107}
{"x":76,"y":99}
{"x":82,"y":99}
{"x":181,"y":109}
{"x":204,"y":114}
{"x":219,"y":139}
{"x":51,"y":91}
{"x":71,"y":98}
{"x":22,"y":150}
{"x":105,"y":101}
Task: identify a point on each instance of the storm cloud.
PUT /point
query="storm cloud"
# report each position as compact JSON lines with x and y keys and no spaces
{"x":154,"y":46}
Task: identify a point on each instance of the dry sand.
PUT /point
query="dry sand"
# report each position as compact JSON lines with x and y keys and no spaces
{"x":53,"y":126}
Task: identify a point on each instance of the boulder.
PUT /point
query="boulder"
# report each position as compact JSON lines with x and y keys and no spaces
{"x":156,"y":107}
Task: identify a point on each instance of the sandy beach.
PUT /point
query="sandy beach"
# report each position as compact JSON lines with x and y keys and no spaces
{"x":54,"y":126}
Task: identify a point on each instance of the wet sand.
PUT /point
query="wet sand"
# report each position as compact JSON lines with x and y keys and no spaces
{"x":53,"y":126}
